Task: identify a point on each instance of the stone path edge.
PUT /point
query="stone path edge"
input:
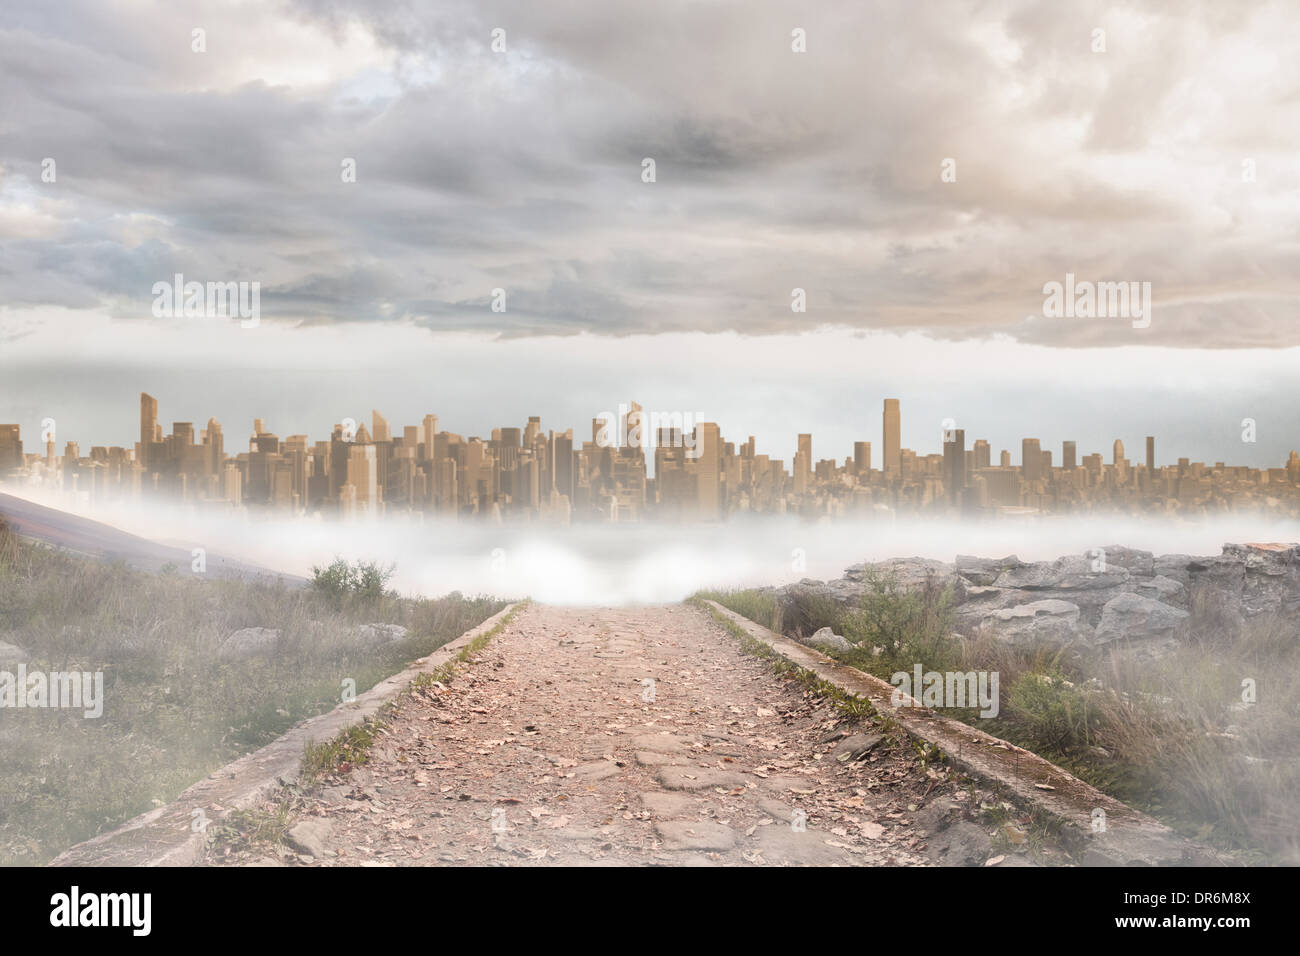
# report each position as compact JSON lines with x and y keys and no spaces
{"x":165,"y":836}
{"x":1130,"y":838}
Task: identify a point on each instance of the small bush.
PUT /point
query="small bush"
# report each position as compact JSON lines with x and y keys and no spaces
{"x":363,"y":581}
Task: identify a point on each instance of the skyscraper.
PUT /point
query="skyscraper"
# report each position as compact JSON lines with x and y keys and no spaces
{"x":1069,"y":455}
{"x":1031,"y":459}
{"x":428,"y":431}
{"x":1151,"y":454}
{"x":708,"y":437}
{"x":148,"y":426}
{"x":861,"y":457}
{"x":954,"y":464}
{"x":11,"y":447}
{"x":893,"y":438}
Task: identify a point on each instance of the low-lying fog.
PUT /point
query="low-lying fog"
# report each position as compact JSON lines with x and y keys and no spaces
{"x":643,"y":563}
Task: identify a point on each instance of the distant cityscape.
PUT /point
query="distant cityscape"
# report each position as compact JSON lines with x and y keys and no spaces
{"x":528,"y":474}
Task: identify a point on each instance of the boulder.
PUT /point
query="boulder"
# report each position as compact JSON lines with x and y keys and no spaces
{"x":961,"y":844}
{"x":249,"y":642}
{"x":1134,"y":617}
{"x":373,"y":635}
{"x":910,"y":574}
{"x":1049,"y":622}
{"x":311,"y":837}
{"x":1162,"y":588}
{"x":12,"y":654}
{"x":984,"y":571}
{"x":828,"y":639}
{"x":1271,"y":577}
{"x":855,"y":747}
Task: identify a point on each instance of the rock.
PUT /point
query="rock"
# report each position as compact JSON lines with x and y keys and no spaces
{"x":1137,"y":563}
{"x":911,"y":574}
{"x":648,"y":758}
{"x":962,"y":844}
{"x":855,"y":747}
{"x":1050,"y":622}
{"x":782,"y":845}
{"x":659,"y":743}
{"x":1271,"y":581}
{"x":1133,"y":617}
{"x":984,"y":571}
{"x":596,"y":770}
{"x":828,"y":639}
{"x":1174,"y":566}
{"x":697,"y":778}
{"x":12,"y":654}
{"x":669,"y":805}
{"x":373,"y":635}
{"x":1161,"y":588}
{"x":695,"y":835}
{"x":939,"y":814}
{"x":310,"y":837}
{"x":249,"y":642}
{"x":1074,"y":572}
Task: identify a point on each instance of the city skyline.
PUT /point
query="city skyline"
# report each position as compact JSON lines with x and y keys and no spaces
{"x":638,"y":464}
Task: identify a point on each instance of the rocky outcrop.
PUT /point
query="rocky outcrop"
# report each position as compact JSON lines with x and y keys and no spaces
{"x":373,"y":635}
{"x":1050,"y":622}
{"x":1133,"y":617}
{"x":1109,"y":597}
{"x":249,"y":642}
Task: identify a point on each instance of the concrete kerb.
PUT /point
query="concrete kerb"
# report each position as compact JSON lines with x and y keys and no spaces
{"x":1129,"y":837}
{"x":168,"y":835}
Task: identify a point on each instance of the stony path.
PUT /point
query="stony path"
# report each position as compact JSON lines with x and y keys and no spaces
{"x":641,"y":736}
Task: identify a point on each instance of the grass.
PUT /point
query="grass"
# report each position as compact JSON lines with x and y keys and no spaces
{"x":266,"y":827}
{"x":174,"y":709}
{"x":1170,"y":736}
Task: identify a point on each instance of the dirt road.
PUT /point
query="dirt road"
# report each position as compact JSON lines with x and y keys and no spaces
{"x":641,"y":736}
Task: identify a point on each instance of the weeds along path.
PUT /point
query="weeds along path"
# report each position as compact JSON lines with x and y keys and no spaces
{"x":618,"y":736}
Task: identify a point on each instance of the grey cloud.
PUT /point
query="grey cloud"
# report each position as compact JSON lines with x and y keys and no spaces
{"x":775,"y":170}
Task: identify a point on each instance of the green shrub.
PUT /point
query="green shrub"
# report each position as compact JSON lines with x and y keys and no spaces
{"x":363,"y":581}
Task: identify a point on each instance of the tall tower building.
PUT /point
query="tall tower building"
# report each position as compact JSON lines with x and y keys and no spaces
{"x":148,"y":426}
{"x":380,"y":430}
{"x":216,"y":446}
{"x":861,"y":458}
{"x":1069,"y":455}
{"x":804,"y":448}
{"x":893,"y":438}
{"x":1117,"y":452}
{"x":954,"y":464}
{"x":1031,"y":459}
{"x":1151,"y":454}
{"x":11,"y":447}
{"x":363,"y":476}
{"x":708,"y":439}
{"x":428,"y":430}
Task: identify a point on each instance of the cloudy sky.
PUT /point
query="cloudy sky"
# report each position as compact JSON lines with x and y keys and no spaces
{"x":1143,"y":141}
